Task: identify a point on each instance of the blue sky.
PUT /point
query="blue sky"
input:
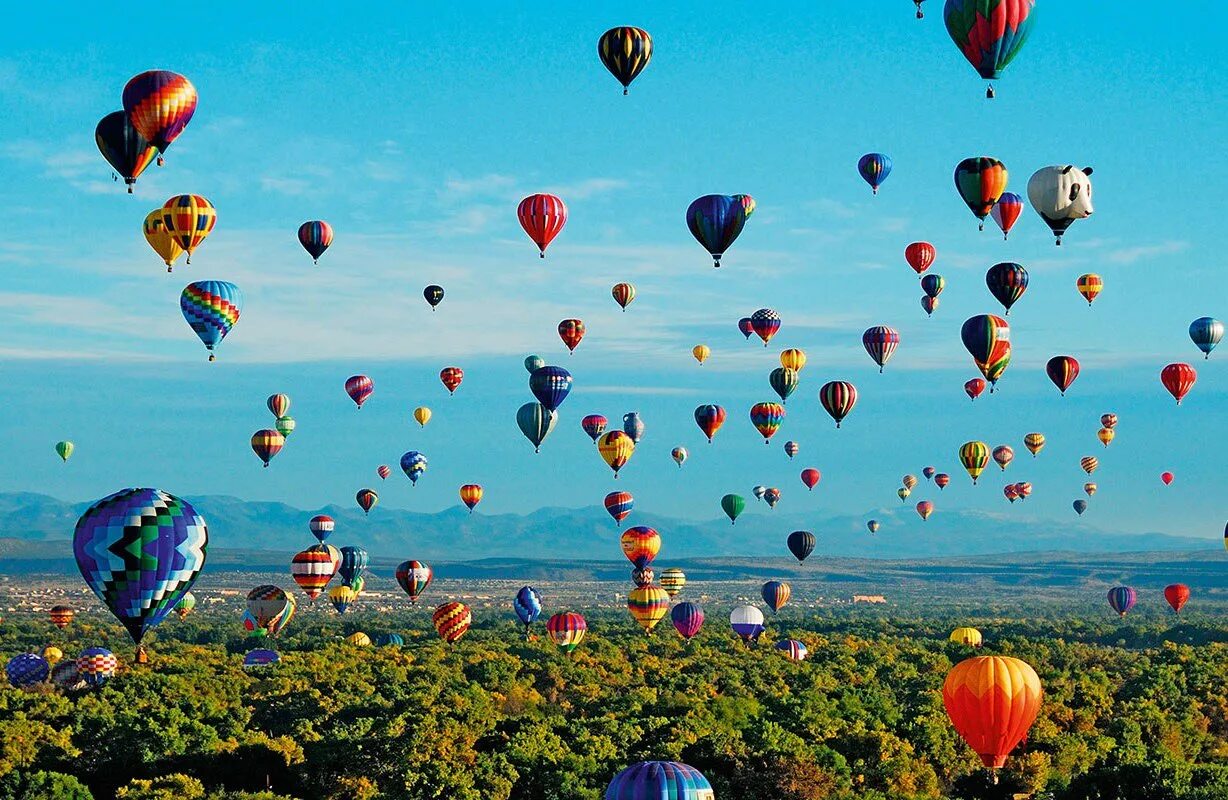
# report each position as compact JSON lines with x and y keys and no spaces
{"x":415,"y":131}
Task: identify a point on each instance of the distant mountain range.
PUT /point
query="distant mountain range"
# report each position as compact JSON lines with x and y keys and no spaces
{"x":37,"y":527}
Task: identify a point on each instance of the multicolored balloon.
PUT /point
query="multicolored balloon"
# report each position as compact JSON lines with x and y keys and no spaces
{"x":625,"y":51}
{"x":359,"y":388}
{"x":688,"y":619}
{"x":623,"y":294}
{"x":874,"y":169}
{"x":765,"y":323}
{"x":776,"y":594}
{"x":648,"y":606}
{"x":1062,"y":371}
{"x":367,"y":499}
{"x":413,"y":464}
{"x":1007,"y":281}
{"x":618,"y":505}
{"x":159,"y":104}
{"x":1034,"y":442}
{"x":124,"y":148}
{"x":571,"y":331}
{"x":640,"y":545}
{"x":1122,"y":599}
{"x":974,"y":456}
{"x":880,"y":342}
{"x":1006,"y":212}
{"x":709,"y":418}
{"x":267,"y":443}
{"x":414,"y":577}
{"x":838,"y":399}
{"x":315,"y":236}
{"x":471,"y":495}
{"x":989,"y":33}
{"x":140,"y":550}
{"x":594,"y":425}
{"x":188,"y":219}
{"x":321,"y":526}
{"x":211,"y":308}
{"x":747,"y":623}
{"x":452,"y":621}
{"x":1089,"y":285}
{"x":313,"y":568}
{"x":451,"y":378}
{"x":784,"y":382}
{"x":673,"y":580}
{"x":659,"y":780}
{"x":980,"y":182}
{"x":987,"y":338}
{"x":616,"y":449}
{"x":766,"y":417}
{"x":566,"y":630}
{"x":528,"y":606}
{"x":680,"y":455}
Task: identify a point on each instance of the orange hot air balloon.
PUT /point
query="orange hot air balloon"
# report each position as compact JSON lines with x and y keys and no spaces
{"x":925,"y":508}
{"x":641,"y":545}
{"x":1089,"y":286}
{"x":1105,"y":435}
{"x":623,"y":294}
{"x":451,"y":378}
{"x":1177,"y":594}
{"x":61,"y":616}
{"x":471,"y":495}
{"x":992,"y":702}
{"x":452,"y":621}
{"x":571,"y":331}
{"x":1035,"y":442}
{"x":701,"y":353}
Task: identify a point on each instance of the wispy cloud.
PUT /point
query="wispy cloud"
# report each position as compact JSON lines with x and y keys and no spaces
{"x":1129,"y":255}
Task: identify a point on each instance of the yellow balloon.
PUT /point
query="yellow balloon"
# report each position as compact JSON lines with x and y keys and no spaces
{"x":53,"y":654}
{"x":359,"y":639}
{"x":615,"y":449}
{"x":793,"y":359}
{"x":161,"y":239}
{"x":968,"y":636}
{"x":701,"y":353}
{"x":423,"y":415}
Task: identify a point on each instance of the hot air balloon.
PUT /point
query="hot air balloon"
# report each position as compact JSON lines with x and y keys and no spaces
{"x":747,"y":623}
{"x":422,"y":415}
{"x":285,"y":426}
{"x":185,"y":605}
{"x":933,"y":285}
{"x":353,"y":565}
{"x":1034,"y":442}
{"x":566,"y":630}
{"x":1177,"y":594}
{"x":471,"y":495}
{"x":1062,"y":370}
{"x":315,"y":236}
{"x":783,"y":381}
{"x":633,"y":426}
{"x":1061,"y":195}
{"x":792,"y":448}
{"x":792,"y":649}
{"x":1003,"y":454}
{"x":929,"y":304}
{"x":616,"y":449}
{"x":715,"y":220}
{"x":989,"y":33}
{"x":648,"y":606}
{"x":974,"y":456}
{"x":594,"y":425}
{"x":1166,"y":478}
{"x":359,"y":388}
{"x":542,"y":216}
{"x":1206,"y":333}
{"x":924,"y":509}
{"x":271,"y":607}
{"x":992,"y":702}
{"x":160,"y":239}
{"x":793,"y":359}
{"x":452,"y":621}
{"x":974,"y":388}
{"x":709,"y":418}
{"x":535,"y":421}
{"x":701,"y":352}
{"x":266,"y":444}
{"x":748,"y":203}
{"x":1108,"y":420}
{"x":64,"y":449}
{"x":359,"y":639}
{"x":451,"y":378}
{"x":903,"y":492}
{"x":321,"y":526}
{"x":1089,"y":488}
{"x":941,"y":480}
{"x":96,"y":666}
{"x":733,"y":505}
{"x":260,"y":658}
{"x":1006,"y":212}
{"x":159,"y":104}
{"x":571,"y":331}
{"x":928,"y":472}
{"x":278,"y":404}
{"x":625,"y":51}
{"x":53,"y":654}
{"x":672,"y":581}
{"x":1178,"y":379}
{"x":1089,"y":464}
{"x":211,"y":309}
{"x":1079,"y":506}
{"x":623,"y":294}
{"x":1089,"y":285}
{"x":838,"y":399}
{"x":433,"y":295}
{"x":533,"y":363}
{"x":980,"y":183}
{"x":640,"y":545}
{"x":188,"y":219}
{"x":909,"y":481}
{"x":1121,"y":599}
{"x":759,"y":492}
{"x":771,"y":497}
{"x":1011,"y":492}
{"x":413,"y":464}
{"x":688,"y":619}
{"x":619,"y":505}
{"x":140,"y":550}
{"x":61,"y":616}
{"x":745,"y":328}
{"x":880,"y":342}
{"x":810,"y":477}
{"x":26,"y":670}
{"x":873,"y":525}
{"x":550,"y":385}
{"x":413,"y":577}
{"x":642,"y":576}
{"x":1025,"y":489}
{"x":659,"y":780}
{"x":383,"y":471}
{"x":1105,"y":435}
{"x":1007,"y":281}
{"x":874,"y":169}
{"x":801,"y":544}
{"x":367,"y":500}
{"x":765,"y":323}
{"x":124,"y":148}
{"x":966,"y":636}
{"x":312,"y":569}
{"x":776,"y":594}
{"x":679,"y":454}
{"x":528,"y":606}
{"x":987,"y":338}
{"x":766,"y":417}
{"x":920,"y":256}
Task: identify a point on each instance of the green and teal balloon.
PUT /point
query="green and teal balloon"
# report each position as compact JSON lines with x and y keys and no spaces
{"x":784,"y":381}
{"x":64,"y":449}
{"x":536,"y":421}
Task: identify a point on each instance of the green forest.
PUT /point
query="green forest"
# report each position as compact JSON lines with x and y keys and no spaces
{"x":1136,"y":709}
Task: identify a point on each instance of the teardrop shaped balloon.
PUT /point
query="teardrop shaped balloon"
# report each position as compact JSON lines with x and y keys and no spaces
{"x":161,"y":239}
{"x":211,"y":308}
{"x":801,"y":544}
{"x":571,"y":331}
{"x":433,"y":295}
{"x":1062,"y":371}
{"x":709,"y":418}
{"x":716,"y":220}
{"x":451,"y":378}
{"x":315,"y":236}
{"x":765,"y":323}
{"x":766,"y":417}
{"x":422,"y":415}
{"x":680,"y":455}
{"x":542,"y":216}
{"x":920,"y":256}
{"x":784,"y":382}
{"x":1007,"y":281}
{"x":980,"y":182}
{"x":688,"y":619}
{"x":618,"y":505}
{"x":992,"y":701}
{"x":550,"y":385}
{"x":874,"y":169}
{"x":359,"y":388}
{"x":160,"y":104}
{"x":1206,"y":333}
{"x":124,"y":148}
{"x":880,"y":342}
{"x":838,"y":399}
{"x":989,"y":33}
{"x":1178,"y":379}
{"x":367,"y":499}
{"x":266,"y":444}
{"x":414,"y":577}
{"x":974,"y":456}
{"x":615,"y":448}
{"x":987,"y":338}
{"x":1006,"y":212}
{"x":535,"y":422}
{"x":188,"y":219}
{"x":810,"y":477}
{"x":625,"y":51}
{"x":623,"y":294}
{"x":594,"y":425}
{"x":64,"y":449}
